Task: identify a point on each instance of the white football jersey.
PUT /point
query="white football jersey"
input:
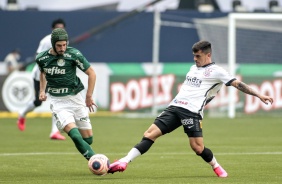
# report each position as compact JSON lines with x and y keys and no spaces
{"x":44,"y":44}
{"x":200,"y":87}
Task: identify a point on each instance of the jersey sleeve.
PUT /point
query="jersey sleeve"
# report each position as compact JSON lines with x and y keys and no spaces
{"x":224,"y":76}
{"x":81,"y":62}
{"x":38,"y":62}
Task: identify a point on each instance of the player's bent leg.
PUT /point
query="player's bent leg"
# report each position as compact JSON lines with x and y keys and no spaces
{"x":87,"y":135}
{"x":142,"y":147}
{"x":30,"y":106}
{"x":197,"y":144}
{"x":153,"y":132}
{"x":82,"y":146}
{"x":207,"y":155}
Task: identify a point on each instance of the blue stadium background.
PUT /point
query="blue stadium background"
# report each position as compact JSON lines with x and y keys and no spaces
{"x":129,"y":41}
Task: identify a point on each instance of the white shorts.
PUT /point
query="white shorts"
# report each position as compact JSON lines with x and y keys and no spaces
{"x":70,"y":109}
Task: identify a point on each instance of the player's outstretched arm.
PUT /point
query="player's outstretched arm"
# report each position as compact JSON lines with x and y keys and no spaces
{"x":248,"y":90}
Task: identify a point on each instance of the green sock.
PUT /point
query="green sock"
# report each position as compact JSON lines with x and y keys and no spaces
{"x":83,"y":147}
{"x":89,"y":140}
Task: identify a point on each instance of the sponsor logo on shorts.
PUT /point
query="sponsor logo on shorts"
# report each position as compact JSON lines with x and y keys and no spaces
{"x":59,"y":125}
{"x":187,"y":122}
{"x":84,"y":119}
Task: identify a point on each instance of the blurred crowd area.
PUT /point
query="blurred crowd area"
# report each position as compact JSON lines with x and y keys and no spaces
{"x":32,"y":21}
{"x":128,"y":5}
{"x":128,"y":41}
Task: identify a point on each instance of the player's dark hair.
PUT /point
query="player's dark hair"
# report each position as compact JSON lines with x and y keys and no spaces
{"x":204,"y":46}
{"x":58,"y":21}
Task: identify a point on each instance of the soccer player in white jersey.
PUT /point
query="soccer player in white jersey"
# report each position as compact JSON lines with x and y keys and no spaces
{"x":44,"y":44}
{"x":201,"y":84}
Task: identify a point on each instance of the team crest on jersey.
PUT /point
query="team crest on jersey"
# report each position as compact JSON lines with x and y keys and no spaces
{"x":61,"y":62}
{"x":207,"y":72}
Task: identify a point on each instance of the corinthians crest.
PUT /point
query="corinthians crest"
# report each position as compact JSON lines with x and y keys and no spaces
{"x":61,"y":62}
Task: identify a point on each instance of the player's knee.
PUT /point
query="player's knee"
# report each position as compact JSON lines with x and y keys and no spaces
{"x":198,"y":149}
{"x":153,"y":133}
{"x":37,"y":103}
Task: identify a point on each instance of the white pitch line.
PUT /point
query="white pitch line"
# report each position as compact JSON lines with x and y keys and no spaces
{"x":161,"y":154}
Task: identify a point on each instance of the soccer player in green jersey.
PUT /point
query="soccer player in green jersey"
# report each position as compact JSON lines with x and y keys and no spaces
{"x":58,"y":78}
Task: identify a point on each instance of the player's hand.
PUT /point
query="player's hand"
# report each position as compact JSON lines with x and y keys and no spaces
{"x":91,"y":108}
{"x":42,"y":96}
{"x":266,"y":99}
{"x":90,"y":104}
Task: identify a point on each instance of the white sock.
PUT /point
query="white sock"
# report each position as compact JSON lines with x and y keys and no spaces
{"x":30,"y":106}
{"x":54,"y":128}
{"x":214,"y":163}
{"x":132,"y":154}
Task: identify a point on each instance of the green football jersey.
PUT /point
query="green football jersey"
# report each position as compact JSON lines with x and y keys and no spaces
{"x":60,"y":71}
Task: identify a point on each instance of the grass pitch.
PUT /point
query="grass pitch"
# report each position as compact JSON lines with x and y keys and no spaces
{"x":250,"y":150}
